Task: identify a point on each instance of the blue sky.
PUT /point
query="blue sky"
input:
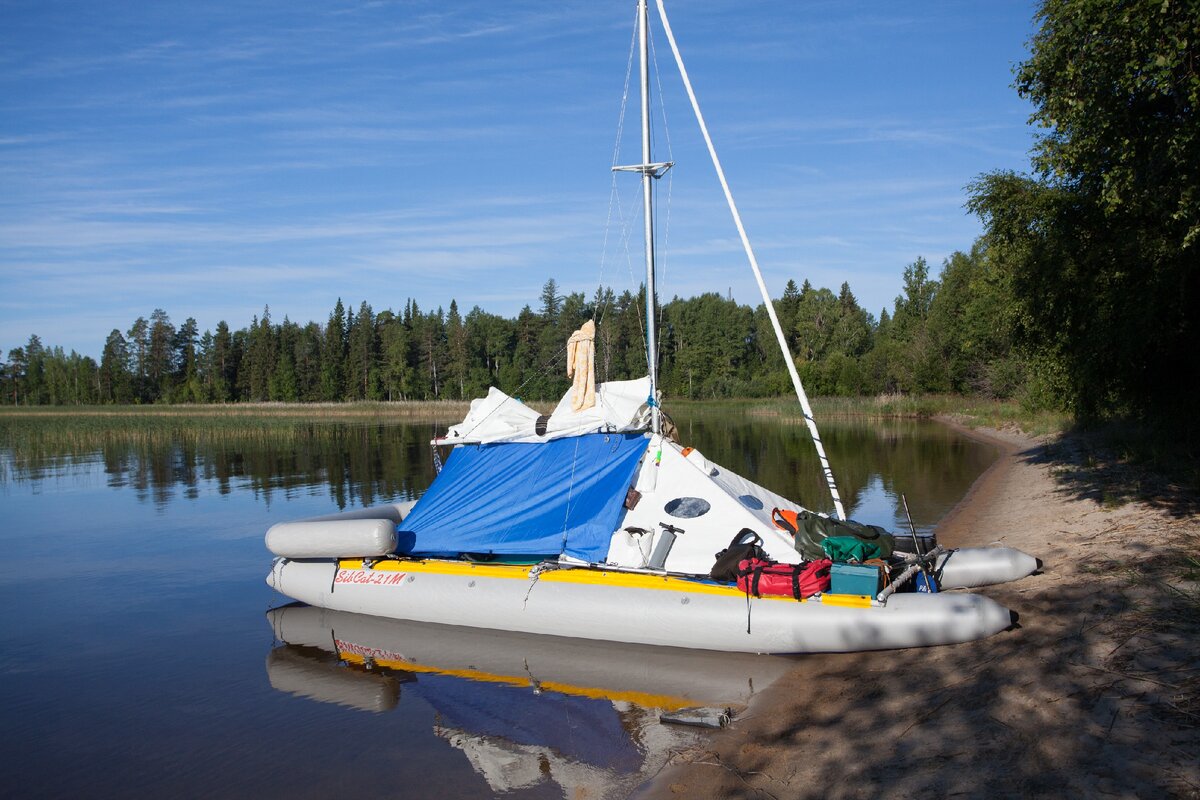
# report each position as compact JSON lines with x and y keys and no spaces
{"x":212,"y":158}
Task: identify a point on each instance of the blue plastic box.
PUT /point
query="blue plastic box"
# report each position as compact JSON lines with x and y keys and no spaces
{"x":854,"y":579}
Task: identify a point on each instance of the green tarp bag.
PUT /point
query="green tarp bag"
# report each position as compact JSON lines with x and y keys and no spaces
{"x":844,"y":549}
{"x":808,"y":530}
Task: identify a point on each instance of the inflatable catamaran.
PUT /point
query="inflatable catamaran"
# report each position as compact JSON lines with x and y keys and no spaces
{"x":595,"y":522}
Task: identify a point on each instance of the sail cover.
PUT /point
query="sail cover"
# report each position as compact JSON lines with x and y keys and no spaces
{"x":619,"y":406}
{"x":518,"y":498}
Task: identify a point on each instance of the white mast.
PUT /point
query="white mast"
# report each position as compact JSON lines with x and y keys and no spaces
{"x":762,"y":287}
{"x":649,"y":172}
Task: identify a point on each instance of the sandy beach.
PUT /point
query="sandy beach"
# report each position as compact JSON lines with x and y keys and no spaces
{"x":1095,"y":694}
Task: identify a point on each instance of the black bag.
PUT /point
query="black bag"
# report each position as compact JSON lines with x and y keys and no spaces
{"x":746,"y":545}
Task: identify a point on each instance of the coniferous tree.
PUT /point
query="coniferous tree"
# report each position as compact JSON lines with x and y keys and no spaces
{"x":35,"y":371}
{"x":224,"y":362}
{"x":490,"y":346}
{"x":333,"y":355}
{"x":362,"y":356}
{"x":159,"y":356}
{"x":456,"y":352}
{"x":282,"y":385}
{"x":138,"y":340}
{"x":187,"y":386}
{"x":306,"y":354}
{"x":116,"y":381}
{"x":395,"y":343}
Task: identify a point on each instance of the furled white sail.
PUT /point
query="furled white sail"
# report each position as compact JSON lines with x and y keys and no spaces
{"x":619,"y":406}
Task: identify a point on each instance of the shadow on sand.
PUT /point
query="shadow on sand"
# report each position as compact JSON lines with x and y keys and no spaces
{"x":1096,"y":693}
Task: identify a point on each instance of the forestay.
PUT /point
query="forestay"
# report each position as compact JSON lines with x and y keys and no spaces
{"x":563,"y":496}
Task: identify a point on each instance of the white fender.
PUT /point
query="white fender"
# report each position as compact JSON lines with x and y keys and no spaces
{"x":968,"y":567}
{"x":345,"y":538}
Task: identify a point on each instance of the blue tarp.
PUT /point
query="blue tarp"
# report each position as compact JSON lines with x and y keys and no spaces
{"x":584,"y":729}
{"x":516,"y":498}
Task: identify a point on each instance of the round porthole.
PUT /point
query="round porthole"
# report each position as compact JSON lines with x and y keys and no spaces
{"x":750,"y":501}
{"x":687,"y":507}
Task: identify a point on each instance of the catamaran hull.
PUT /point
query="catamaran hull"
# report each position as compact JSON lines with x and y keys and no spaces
{"x":639,"y":609}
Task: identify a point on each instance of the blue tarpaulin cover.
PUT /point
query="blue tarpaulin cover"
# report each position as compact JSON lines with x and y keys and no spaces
{"x":584,"y":729}
{"x":518,"y":498}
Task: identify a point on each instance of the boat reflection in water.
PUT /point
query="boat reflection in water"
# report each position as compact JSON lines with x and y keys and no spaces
{"x":525,"y":710}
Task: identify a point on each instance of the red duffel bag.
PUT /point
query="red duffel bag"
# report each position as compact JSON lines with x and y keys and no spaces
{"x":759,"y":577}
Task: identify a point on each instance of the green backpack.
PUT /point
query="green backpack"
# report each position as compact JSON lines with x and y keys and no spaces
{"x":809,"y":530}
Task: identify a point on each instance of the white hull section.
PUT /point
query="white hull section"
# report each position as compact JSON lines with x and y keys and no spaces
{"x":635,"y":608}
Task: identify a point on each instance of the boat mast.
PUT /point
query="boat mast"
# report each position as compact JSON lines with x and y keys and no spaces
{"x":649,"y":172}
{"x":648,"y":216}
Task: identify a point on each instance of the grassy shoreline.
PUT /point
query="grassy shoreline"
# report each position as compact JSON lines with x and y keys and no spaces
{"x":969,"y":411}
{"x":408,"y":411}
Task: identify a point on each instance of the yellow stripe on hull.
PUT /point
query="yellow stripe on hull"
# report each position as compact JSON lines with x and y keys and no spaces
{"x":588,"y":576}
{"x":638,"y":698}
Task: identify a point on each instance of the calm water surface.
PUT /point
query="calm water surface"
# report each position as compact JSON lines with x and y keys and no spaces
{"x":139,"y":653}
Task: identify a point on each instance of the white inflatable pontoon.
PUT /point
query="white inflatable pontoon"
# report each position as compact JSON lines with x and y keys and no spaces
{"x":594,"y":523}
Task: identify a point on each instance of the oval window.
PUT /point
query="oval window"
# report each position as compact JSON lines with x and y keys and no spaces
{"x":750,"y":501}
{"x":687,"y":507}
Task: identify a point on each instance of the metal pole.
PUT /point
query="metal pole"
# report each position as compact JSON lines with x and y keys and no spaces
{"x":648,"y":216}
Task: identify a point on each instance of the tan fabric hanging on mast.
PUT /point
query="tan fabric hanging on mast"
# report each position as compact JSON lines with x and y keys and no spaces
{"x":581,"y":357}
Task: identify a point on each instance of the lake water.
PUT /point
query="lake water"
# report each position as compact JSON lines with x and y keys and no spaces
{"x":142,"y":654}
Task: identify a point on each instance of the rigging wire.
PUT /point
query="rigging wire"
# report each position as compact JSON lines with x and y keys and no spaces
{"x":762,"y":286}
{"x":662,"y":264}
{"x":615,"y":198}
{"x":614,"y":195}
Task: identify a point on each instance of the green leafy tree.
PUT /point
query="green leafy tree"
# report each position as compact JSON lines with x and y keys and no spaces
{"x":973,"y":322}
{"x":1100,"y":243}
{"x":490,"y":346}
{"x":707,"y":347}
{"x":786,"y":309}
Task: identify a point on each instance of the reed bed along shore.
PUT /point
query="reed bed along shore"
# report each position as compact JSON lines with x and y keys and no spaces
{"x":964,"y":410}
{"x":418,"y":411}
{"x":968,"y":411}
{"x":43,"y":430}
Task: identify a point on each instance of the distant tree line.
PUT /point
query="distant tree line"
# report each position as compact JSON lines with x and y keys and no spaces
{"x":1081,"y":295}
{"x":942,"y":336}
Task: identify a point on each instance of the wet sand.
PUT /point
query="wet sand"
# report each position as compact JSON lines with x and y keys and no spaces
{"x":1095,"y":694}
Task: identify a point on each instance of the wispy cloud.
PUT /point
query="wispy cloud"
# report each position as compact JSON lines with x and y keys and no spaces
{"x":210,"y":159}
